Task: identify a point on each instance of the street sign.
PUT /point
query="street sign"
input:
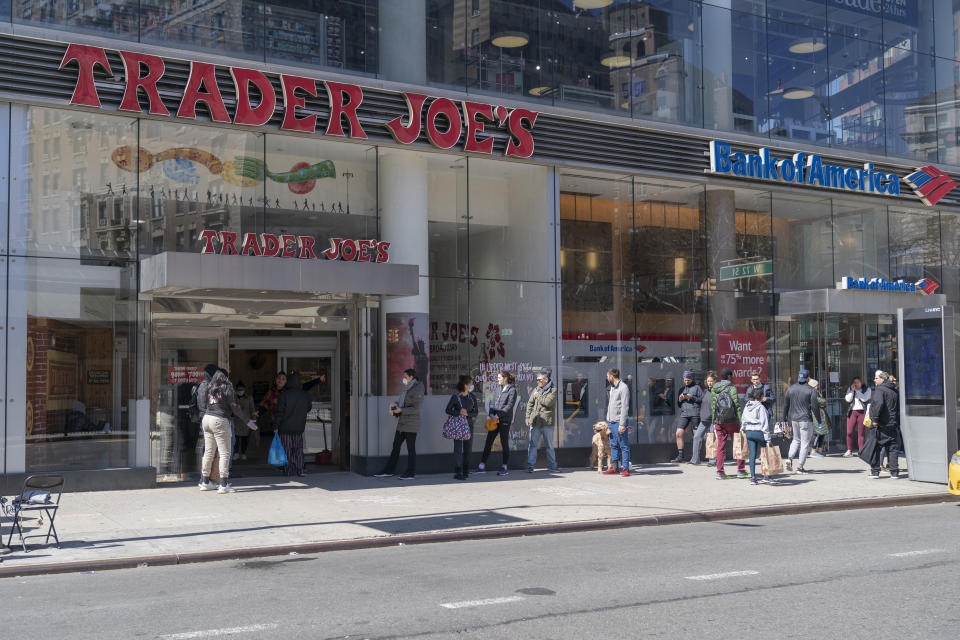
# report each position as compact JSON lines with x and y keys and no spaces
{"x":736,"y":271}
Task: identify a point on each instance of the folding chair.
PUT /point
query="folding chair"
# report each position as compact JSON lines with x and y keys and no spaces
{"x":19,"y":506}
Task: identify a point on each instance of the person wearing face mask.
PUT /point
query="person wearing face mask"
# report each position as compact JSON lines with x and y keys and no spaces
{"x":504,"y":401}
{"x":243,"y":430}
{"x":463,"y":403}
{"x":407,"y":412}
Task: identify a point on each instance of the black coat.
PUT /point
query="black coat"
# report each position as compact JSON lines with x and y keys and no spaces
{"x":885,"y":406}
{"x":503,"y":402}
{"x":468,"y":402}
{"x":293,"y":407}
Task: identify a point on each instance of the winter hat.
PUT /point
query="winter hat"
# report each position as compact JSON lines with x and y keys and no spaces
{"x":802,"y":376}
{"x":210,"y":370}
{"x":688,"y":374}
{"x":883,"y":375}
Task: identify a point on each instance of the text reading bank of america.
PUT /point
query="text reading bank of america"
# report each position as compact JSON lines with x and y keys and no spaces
{"x":928,"y":183}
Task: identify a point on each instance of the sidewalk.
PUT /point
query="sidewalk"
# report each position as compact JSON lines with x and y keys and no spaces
{"x":179,"y":523}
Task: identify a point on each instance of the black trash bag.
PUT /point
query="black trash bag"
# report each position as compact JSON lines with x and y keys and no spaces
{"x":870,"y":452}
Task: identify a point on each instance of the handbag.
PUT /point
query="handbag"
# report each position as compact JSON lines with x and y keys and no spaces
{"x":278,"y":455}
{"x":711,"y":442}
{"x":771,"y":463}
{"x":492,"y":423}
{"x":870,"y":452}
{"x":456,"y":427}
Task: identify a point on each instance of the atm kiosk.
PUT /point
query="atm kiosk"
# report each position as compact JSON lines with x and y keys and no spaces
{"x":928,"y":390}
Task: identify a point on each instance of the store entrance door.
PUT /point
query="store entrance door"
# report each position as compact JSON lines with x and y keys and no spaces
{"x":319,"y":373}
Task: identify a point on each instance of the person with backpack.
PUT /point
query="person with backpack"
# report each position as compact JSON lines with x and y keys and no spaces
{"x":217,"y":401}
{"x":725,"y":412}
{"x":800,"y":406}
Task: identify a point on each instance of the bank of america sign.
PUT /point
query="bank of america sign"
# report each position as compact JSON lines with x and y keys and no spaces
{"x":928,"y":183}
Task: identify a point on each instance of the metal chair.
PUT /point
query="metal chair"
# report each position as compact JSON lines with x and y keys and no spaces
{"x":48,"y":483}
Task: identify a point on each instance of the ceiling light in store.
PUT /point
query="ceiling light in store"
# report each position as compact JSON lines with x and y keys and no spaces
{"x":808,"y":45}
{"x":510,"y":39}
{"x":592,"y":4}
{"x":613,"y":60}
{"x":797,"y":93}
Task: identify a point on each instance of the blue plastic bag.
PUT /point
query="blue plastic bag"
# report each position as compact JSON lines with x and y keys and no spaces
{"x":277,"y":456}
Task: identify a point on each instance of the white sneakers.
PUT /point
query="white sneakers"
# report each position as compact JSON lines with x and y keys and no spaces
{"x":226,"y":488}
{"x":848,"y":454}
{"x":207,"y":486}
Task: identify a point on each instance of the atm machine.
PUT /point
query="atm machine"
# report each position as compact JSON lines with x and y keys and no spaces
{"x":928,"y":390}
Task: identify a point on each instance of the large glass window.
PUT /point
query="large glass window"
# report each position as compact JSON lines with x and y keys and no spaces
{"x":798,"y":83}
{"x":860,"y":239}
{"x":118,"y":18}
{"x":735,"y":85}
{"x":915,"y":244}
{"x":510,"y":211}
{"x":803,"y":256}
{"x":73,"y":183}
{"x":912,"y":108}
{"x":320,"y":189}
{"x":78,"y":361}
{"x":855,"y":94}
{"x":195,"y":178}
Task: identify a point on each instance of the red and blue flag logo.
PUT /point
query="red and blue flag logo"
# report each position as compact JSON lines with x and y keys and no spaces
{"x":927,"y":285}
{"x":930,"y":184}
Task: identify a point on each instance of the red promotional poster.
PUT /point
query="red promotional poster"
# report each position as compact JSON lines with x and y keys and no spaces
{"x":184,"y":374}
{"x":744,"y":352}
{"x":408,"y":347}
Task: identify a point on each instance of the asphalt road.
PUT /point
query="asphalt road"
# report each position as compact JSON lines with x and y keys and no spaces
{"x":872,"y":574}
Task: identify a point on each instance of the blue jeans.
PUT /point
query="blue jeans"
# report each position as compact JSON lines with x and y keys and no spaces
{"x":756,"y":441}
{"x":536,"y":433}
{"x":619,"y":446}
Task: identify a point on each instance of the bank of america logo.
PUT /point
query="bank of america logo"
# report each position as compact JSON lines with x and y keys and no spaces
{"x":930,"y":184}
{"x":927,"y":285}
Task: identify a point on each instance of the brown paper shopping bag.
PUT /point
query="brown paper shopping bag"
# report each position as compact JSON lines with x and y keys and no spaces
{"x":741,"y":450}
{"x":770,"y":461}
{"x":711,"y":446}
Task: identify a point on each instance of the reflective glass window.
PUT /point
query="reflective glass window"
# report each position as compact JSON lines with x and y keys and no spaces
{"x":860,"y":238}
{"x":341,"y":34}
{"x":946,"y":34}
{"x":116,"y":18}
{"x":78,"y":361}
{"x":803,"y":256}
{"x":856,"y":20}
{"x":855,"y":94}
{"x":944,"y":123}
{"x":915,"y":246}
{"x":320,"y":189}
{"x":234,"y":28}
{"x":510,"y":209}
{"x":907,"y":24}
{"x":195,"y":178}
{"x":74,"y":183}
{"x":799,"y":83}
{"x":735,"y":88}
{"x":910,"y":104}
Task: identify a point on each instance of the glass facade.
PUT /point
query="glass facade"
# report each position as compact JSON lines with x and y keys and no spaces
{"x":876,"y":77}
{"x":521,"y":265}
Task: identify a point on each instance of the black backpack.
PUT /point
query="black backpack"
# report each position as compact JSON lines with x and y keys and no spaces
{"x":725,"y":410}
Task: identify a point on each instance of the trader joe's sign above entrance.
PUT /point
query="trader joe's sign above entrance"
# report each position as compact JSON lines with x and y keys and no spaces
{"x":228,"y":243}
{"x":445,"y":121}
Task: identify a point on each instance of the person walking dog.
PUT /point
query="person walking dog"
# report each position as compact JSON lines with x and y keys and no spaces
{"x":618,"y":407}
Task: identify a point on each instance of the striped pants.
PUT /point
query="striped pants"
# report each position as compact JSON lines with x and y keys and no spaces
{"x":293,"y":445}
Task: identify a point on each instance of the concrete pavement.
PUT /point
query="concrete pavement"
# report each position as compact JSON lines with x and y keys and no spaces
{"x":178,"y":523}
{"x":858,"y":575}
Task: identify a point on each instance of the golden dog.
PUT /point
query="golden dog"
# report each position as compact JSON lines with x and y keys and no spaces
{"x":601,"y":446}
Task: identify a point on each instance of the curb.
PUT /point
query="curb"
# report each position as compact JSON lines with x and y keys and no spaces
{"x":472,"y":534}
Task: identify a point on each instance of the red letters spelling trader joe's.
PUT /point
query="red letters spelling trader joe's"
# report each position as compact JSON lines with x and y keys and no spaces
{"x":444,"y":122}
{"x":228,"y":243}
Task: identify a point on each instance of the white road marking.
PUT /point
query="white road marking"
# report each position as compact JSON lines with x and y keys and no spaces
{"x":480,"y":603}
{"x":720,"y":576}
{"x":216,"y":633}
{"x":921,"y":552}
